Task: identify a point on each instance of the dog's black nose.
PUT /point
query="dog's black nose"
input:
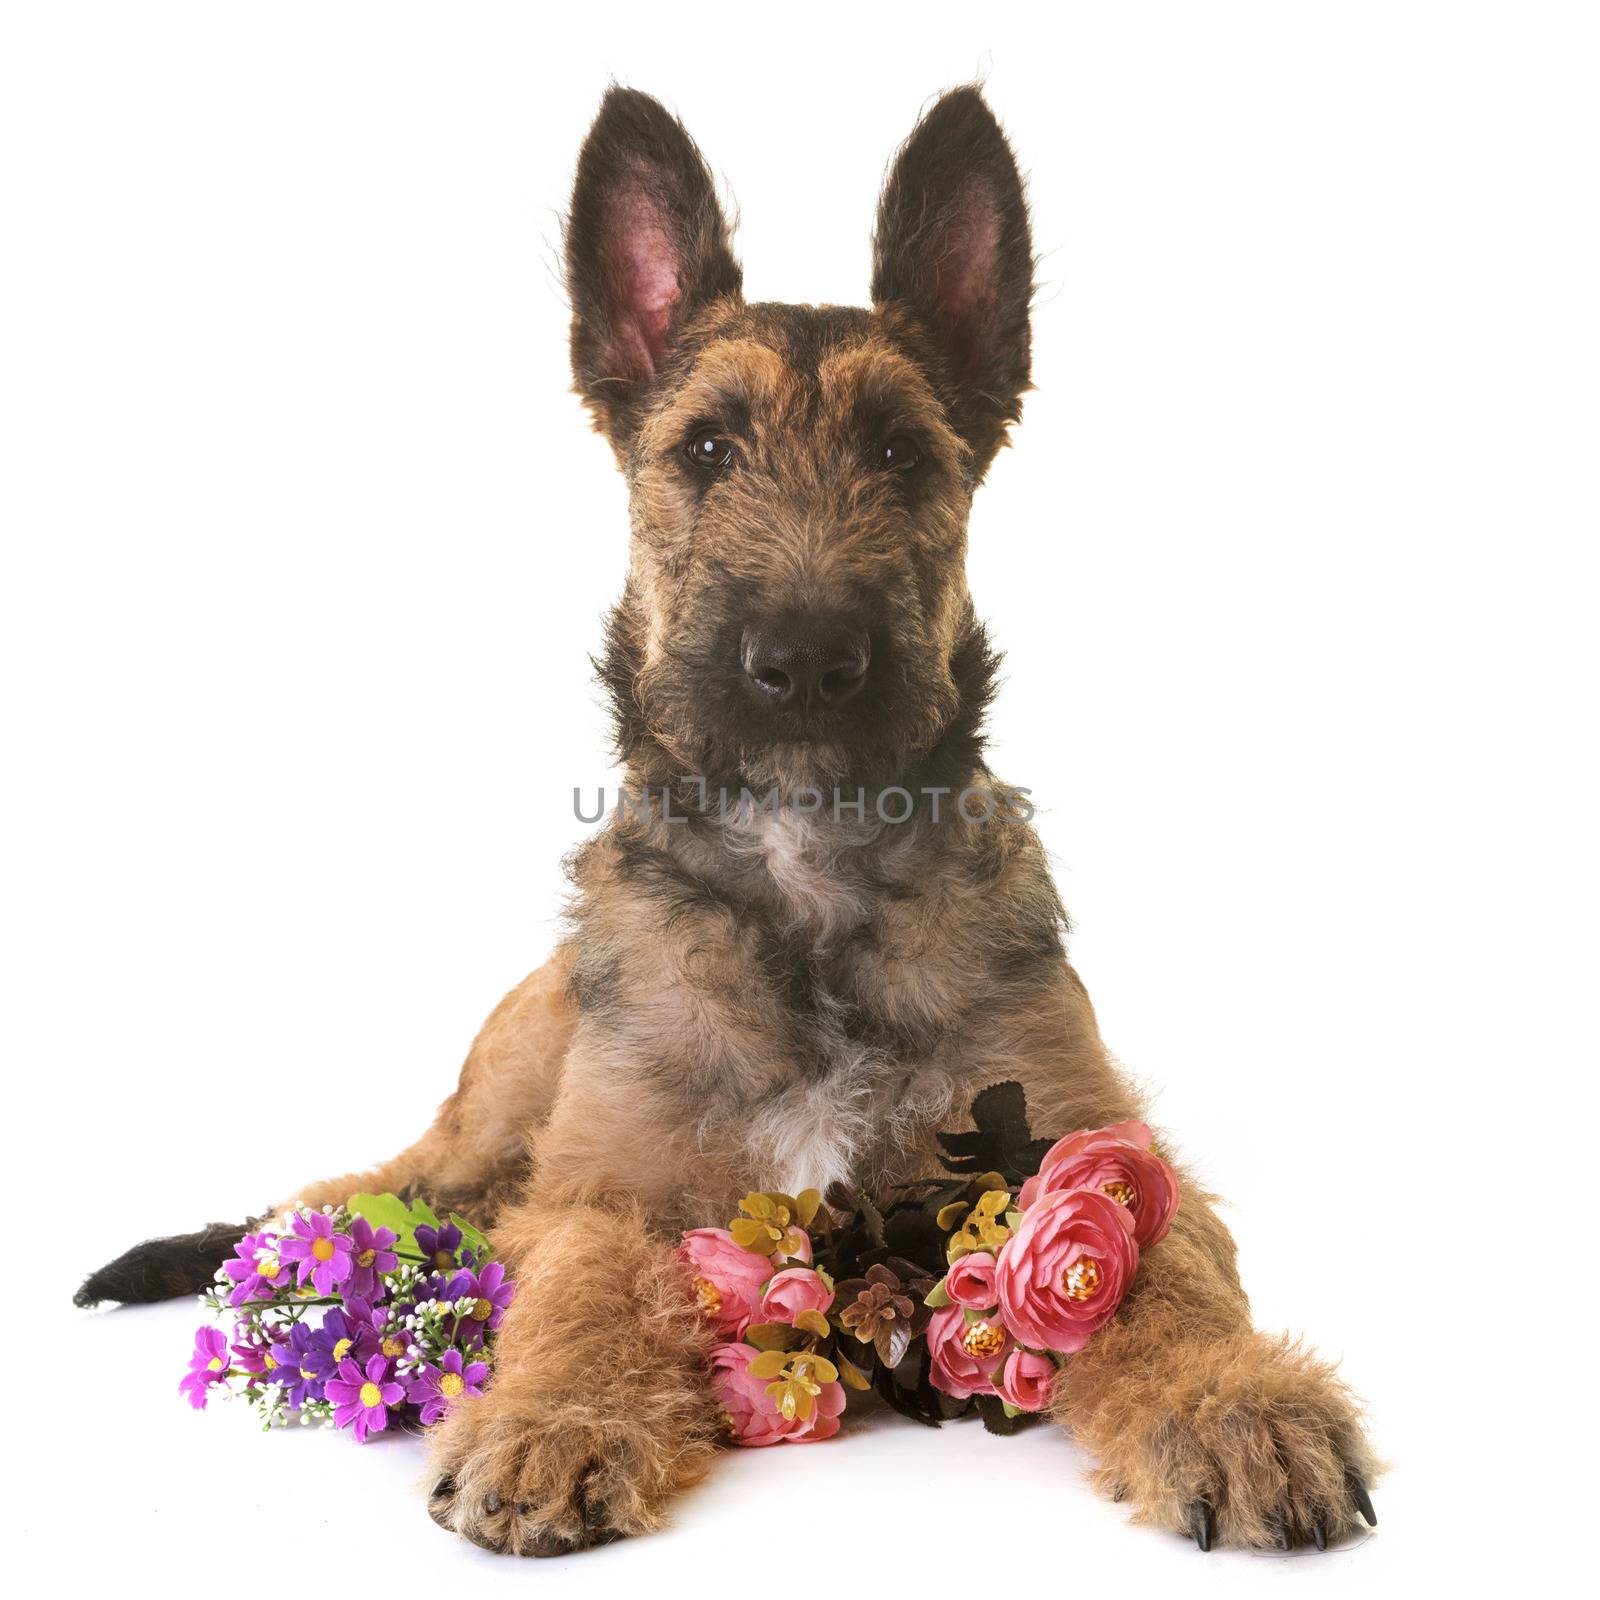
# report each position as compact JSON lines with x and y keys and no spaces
{"x":805,"y":662}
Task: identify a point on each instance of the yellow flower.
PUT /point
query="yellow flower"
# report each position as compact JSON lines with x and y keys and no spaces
{"x":797,"y":1380}
{"x":768,"y":1226}
{"x":983,"y":1229}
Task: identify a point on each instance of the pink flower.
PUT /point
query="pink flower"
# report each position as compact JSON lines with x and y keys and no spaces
{"x":752,"y":1414}
{"x":970,"y":1282}
{"x":792,"y":1291}
{"x":1116,"y":1161}
{"x":207,"y":1366}
{"x":727,"y":1277}
{"x":1064,"y":1271}
{"x":1025,"y":1381}
{"x":964,"y":1356}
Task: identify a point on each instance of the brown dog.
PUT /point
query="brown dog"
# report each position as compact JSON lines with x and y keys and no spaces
{"x":825,"y":925}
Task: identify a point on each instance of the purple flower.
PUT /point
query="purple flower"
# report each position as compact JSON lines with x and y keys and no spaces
{"x":343,"y":1335}
{"x":495,"y":1293}
{"x":255,"y":1352}
{"x":436,"y":1389}
{"x":207,"y":1366}
{"x":370,"y":1249}
{"x":324,"y":1255}
{"x":295,"y":1371}
{"x":439,"y":1245}
{"x":362,"y":1399}
{"x":258,"y":1273}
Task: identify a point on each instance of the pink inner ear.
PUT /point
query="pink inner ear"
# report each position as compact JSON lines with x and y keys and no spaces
{"x":968,"y":260}
{"x":644,"y":277}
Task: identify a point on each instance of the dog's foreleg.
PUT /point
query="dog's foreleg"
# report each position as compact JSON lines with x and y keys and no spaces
{"x":598,"y":1410}
{"x":1206,"y":1425}
{"x":1200,"y":1422}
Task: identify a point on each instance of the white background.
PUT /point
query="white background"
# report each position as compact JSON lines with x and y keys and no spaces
{"x":306,"y":542}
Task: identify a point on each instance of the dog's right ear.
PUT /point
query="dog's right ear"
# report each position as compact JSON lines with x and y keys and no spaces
{"x":647,"y":247}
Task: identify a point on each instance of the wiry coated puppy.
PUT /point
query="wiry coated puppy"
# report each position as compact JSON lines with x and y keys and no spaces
{"x":760,"y":991}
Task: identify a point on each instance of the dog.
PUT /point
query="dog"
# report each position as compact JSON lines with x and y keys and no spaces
{"x":823,"y":924}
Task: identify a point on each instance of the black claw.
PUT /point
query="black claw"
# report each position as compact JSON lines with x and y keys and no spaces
{"x":1202,"y":1523}
{"x":1281,"y":1533}
{"x":493,"y":1504}
{"x":446,"y":1485}
{"x":1319,"y":1533}
{"x":1363,"y":1500}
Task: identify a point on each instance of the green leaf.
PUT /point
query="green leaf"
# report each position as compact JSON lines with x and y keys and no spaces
{"x":1000,"y":1140}
{"x":873,"y":1218}
{"x":771,"y":1336}
{"x":381,"y":1210}
{"x":390,"y":1211}
{"x":998,"y":1417}
{"x":892,"y":1343}
{"x":852,"y":1375}
{"x":472,"y":1238}
{"x":937,"y":1296}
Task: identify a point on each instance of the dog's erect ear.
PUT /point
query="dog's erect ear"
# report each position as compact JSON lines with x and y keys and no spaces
{"x":952,"y":245}
{"x":647,"y":247}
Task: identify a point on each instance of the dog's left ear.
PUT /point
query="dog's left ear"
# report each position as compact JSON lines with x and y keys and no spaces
{"x":953,"y":246}
{"x":647,"y":247}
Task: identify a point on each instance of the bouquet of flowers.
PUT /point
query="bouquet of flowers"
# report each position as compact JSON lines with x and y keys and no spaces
{"x":405,"y":1306}
{"x":965,"y":1291}
{"x":960,"y":1292}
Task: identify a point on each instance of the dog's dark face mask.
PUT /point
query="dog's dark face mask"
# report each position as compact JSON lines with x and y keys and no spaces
{"x":796,"y":611}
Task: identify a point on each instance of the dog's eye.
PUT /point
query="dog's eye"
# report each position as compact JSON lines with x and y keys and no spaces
{"x":898,"y":454}
{"x":709,"y":449}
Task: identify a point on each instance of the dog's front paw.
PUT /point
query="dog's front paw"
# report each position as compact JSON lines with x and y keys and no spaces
{"x":526,"y":1473}
{"x":1247,"y":1440}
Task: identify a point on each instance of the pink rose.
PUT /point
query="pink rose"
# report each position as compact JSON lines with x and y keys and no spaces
{"x":1118,"y":1162}
{"x":727,"y":1278}
{"x":1064,"y":1271}
{"x":752,"y":1414}
{"x":792,"y":1291}
{"x":970,"y":1282}
{"x":963,"y":1356}
{"x":1026,"y":1379}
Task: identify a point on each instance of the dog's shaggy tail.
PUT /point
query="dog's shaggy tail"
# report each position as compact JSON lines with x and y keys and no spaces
{"x":163,"y":1269}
